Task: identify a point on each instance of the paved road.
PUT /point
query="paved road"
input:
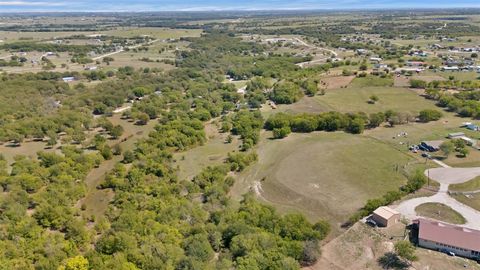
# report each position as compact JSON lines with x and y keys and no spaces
{"x":453,"y":175}
{"x":315,"y":47}
{"x":472,"y":216}
{"x":122,"y":50}
{"x":446,"y":176}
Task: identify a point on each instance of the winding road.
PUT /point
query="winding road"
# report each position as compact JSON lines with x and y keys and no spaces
{"x":322,"y":60}
{"x":446,"y":176}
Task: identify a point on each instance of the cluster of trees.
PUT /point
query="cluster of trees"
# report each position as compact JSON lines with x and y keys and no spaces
{"x":246,"y":124}
{"x":446,"y":84}
{"x":38,"y":209}
{"x":282,"y":124}
{"x":14,"y":61}
{"x":28,"y":46}
{"x":465,"y":103}
{"x":455,"y":145}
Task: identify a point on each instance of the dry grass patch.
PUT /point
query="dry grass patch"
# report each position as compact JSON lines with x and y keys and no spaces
{"x":440,"y":212}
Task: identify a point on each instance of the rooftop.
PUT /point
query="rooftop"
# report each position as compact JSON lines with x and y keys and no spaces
{"x":449,"y":234}
{"x":385,"y":212}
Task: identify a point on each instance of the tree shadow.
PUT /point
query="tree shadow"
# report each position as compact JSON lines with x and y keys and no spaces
{"x":391,"y":260}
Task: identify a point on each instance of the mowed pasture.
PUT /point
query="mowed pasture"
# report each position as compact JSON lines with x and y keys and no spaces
{"x":324,"y":175}
{"x":355,"y":99}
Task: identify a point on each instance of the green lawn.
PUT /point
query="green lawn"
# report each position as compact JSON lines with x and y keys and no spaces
{"x":440,"y":212}
{"x":470,"y":200}
{"x":471,"y":185}
{"x":355,"y":99}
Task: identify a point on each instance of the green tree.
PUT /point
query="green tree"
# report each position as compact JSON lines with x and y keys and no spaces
{"x":405,"y":250}
{"x":280,"y":133}
{"x":447,"y":148}
{"x":75,"y":263}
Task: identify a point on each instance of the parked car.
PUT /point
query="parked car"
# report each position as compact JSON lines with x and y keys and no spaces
{"x":371,"y":222}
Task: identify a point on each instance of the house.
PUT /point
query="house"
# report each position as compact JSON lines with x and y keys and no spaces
{"x":385,"y":216}
{"x":430,"y":146}
{"x":448,"y":238}
{"x":415,"y":63}
{"x":242,"y":90}
{"x":454,"y":68}
{"x":381,"y":66}
{"x":375,"y":59}
{"x":473,"y":127}
{"x":361,"y":51}
{"x":68,"y":79}
{"x":456,"y":135}
{"x":468,"y":141}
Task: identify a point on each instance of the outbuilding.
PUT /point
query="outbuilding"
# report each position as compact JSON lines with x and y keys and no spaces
{"x":385,"y":216}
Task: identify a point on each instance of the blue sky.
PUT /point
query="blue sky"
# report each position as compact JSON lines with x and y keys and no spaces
{"x":193,"y":5}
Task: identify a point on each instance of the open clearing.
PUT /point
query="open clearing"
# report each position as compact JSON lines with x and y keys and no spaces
{"x":213,"y":152}
{"x":440,"y":212}
{"x":361,"y":246}
{"x":355,"y":99}
{"x":337,"y":81}
{"x":324,"y":175}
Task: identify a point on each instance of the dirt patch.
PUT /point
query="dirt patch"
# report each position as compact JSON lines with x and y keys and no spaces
{"x":401,"y":81}
{"x":336,"y":81}
{"x":361,"y":246}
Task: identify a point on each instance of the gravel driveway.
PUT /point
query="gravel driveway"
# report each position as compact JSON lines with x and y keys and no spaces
{"x":446,"y":176}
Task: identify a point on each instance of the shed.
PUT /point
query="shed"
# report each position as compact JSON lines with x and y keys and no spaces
{"x":68,"y":79}
{"x":385,"y":216}
{"x":456,"y":135}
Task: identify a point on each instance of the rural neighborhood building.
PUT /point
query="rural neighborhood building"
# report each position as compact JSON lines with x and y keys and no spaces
{"x":431,"y":146}
{"x":454,"y":68}
{"x":468,"y":141}
{"x":385,"y":216}
{"x":68,"y":79}
{"x":472,"y":127}
{"x":448,"y":238}
{"x":456,"y":135}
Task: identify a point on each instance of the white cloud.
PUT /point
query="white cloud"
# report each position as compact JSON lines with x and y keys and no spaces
{"x":31,"y":4}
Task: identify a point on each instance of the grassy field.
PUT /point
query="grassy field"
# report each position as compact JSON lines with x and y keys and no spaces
{"x":96,"y":201}
{"x":471,"y":185}
{"x":355,"y":99}
{"x":440,"y":212}
{"x":470,"y":200}
{"x":213,"y":152}
{"x":324,"y":175}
